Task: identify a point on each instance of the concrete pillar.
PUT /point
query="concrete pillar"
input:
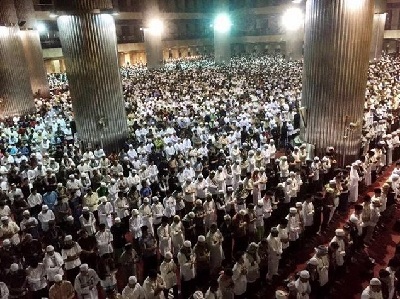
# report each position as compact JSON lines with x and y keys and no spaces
{"x":294,"y":44}
{"x":378,"y":30}
{"x":89,"y":45}
{"x":337,"y":42}
{"x":56,"y":66}
{"x":394,"y":24}
{"x":222,"y":40}
{"x":154,"y":48}
{"x":32,"y":48}
{"x":16,"y":96}
{"x":153,"y":36}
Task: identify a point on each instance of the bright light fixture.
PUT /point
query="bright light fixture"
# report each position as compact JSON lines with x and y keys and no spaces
{"x":41,"y":28}
{"x":156,"y":26}
{"x":222,"y":23}
{"x":293,"y":19}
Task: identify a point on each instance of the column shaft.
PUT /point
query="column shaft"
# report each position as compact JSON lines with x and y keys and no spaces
{"x":378,"y":30}
{"x":32,"y":48}
{"x":294,"y":44}
{"x":222,"y":47}
{"x":16,"y":97}
{"x":154,"y":48}
{"x":90,"y":50}
{"x":337,"y":42}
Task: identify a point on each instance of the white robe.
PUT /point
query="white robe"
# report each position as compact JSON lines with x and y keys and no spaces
{"x":53,"y":265}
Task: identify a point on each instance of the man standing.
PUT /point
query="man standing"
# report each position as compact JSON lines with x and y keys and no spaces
{"x":168,"y":271}
{"x":148,"y":246}
{"x":154,"y":286}
{"x":303,"y":285}
{"x":61,"y":289}
{"x":373,"y":290}
{"x":274,"y":253}
{"x":86,"y":283}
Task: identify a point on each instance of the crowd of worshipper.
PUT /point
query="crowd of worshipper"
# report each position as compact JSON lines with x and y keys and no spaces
{"x":212,"y":196}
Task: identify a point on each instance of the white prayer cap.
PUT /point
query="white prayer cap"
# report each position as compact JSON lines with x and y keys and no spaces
{"x":375,"y":282}
{"x":339,"y":232}
{"x":26,"y":212}
{"x":117,"y":220}
{"x":49,"y":248}
{"x":71,"y":176}
{"x":201,"y":238}
{"x":6,"y":242}
{"x":135,"y":212}
{"x":103,"y":184}
{"x":113,"y":181}
{"x":304,"y":274}
{"x":120,"y":173}
{"x":279,"y":294}
{"x":84,"y":175}
{"x":289,"y":181}
{"x":198,"y":202}
{"x":316,"y":159}
{"x":59,"y":185}
{"x":227,"y":217}
{"x":299,"y":204}
{"x":57,"y":277}
{"x":132,"y":280}
{"x":260,"y":202}
{"x":70,"y":218}
{"x":200,"y":176}
{"x":68,"y":238}
{"x":187,"y":243}
{"x":4,"y":218}
{"x":242,"y":212}
{"x":353,"y":219}
{"x":280,"y":185}
{"x":293,"y":210}
{"x":146,"y":200}
{"x":168,"y":255}
{"x":85,"y":209}
{"x":229,"y":189}
{"x":84,"y":267}
{"x":45,"y":207}
{"x":313,"y":261}
{"x":333,"y":182}
{"x":14,"y":267}
{"x":191,"y":215}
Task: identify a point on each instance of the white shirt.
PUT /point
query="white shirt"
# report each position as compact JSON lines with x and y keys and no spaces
{"x":44,"y":219}
{"x":74,"y":251}
{"x":136,"y":292}
{"x":36,"y":277}
{"x":53,"y":265}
